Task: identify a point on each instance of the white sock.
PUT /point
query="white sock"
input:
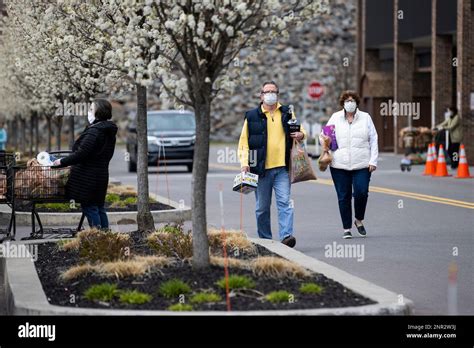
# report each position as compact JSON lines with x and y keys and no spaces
{"x":347,"y":230}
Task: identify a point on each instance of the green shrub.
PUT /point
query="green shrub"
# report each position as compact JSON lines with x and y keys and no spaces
{"x":311,"y":288}
{"x":118,"y":204}
{"x":205,"y":297}
{"x":101,"y":292}
{"x":61,"y":207}
{"x":177,"y":229}
{"x":237,"y":282}
{"x":112,"y":197}
{"x":278,"y":296}
{"x":174,"y":288}
{"x":180,"y":307}
{"x":130,"y":200}
{"x":60,"y":243}
{"x":134,"y":297}
{"x":96,"y":245}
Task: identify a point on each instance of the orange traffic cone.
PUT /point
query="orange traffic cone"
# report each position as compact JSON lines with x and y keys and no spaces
{"x":463,"y":167}
{"x":430,"y":166}
{"x":441,"y":169}
{"x":435,"y":157}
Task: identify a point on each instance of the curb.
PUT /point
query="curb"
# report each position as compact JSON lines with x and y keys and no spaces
{"x":179,"y":214}
{"x":387,"y":301}
{"x":24,"y":294}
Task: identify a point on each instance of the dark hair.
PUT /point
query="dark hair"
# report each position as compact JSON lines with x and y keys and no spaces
{"x":453,"y":108}
{"x":347,"y":94}
{"x":103,"y":109}
{"x":271,"y":83}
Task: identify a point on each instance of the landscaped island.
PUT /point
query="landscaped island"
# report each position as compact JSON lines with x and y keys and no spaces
{"x":119,"y":198}
{"x":135,"y":271}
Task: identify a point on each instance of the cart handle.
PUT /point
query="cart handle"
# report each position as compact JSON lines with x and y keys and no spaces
{"x":60,"y":152}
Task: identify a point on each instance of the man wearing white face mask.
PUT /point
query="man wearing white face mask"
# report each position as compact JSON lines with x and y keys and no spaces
{"x":266,"y":141}
{"x":354,"y":160}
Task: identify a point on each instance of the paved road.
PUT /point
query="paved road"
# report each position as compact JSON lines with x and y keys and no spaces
{"x":414,"y":223}
{"x":411,"y":237}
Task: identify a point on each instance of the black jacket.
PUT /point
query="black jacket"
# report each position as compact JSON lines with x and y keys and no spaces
{"x":90,"y":159}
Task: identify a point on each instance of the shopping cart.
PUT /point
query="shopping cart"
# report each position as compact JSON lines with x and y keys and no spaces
{"x":39,"y":184}
{"x":7,"y":161}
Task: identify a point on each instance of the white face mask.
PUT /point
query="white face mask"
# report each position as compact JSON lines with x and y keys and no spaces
{"x":270,"y":98}
{"x":350,"y":106}
{"x":448,"y":113}
{"x":91,"y":115}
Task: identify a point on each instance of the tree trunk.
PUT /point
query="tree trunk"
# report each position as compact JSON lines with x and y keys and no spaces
{"x":58,"y":132}
{"x":144,"y":218}
{"x":50,"y":132}
{"x":198,"y":183}
{"x":14,"y":133}
{"x":10,"y":133}
{"x":37,"y":136}
{"x":32,"y":128}
{"x":23,"y":136}
{"x":71,"y":131}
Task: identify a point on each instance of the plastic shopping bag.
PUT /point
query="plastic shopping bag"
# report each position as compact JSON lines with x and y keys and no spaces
{"x":300,"y":164}
{"x":326,"y":158}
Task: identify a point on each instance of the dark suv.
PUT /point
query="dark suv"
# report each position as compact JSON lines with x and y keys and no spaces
{"x":171,"y":138}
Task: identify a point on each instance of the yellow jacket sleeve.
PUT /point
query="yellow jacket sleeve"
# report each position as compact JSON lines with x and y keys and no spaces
{"x":243,"y":150}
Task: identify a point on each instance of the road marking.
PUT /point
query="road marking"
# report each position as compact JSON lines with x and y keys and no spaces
{"x":378,"y":189}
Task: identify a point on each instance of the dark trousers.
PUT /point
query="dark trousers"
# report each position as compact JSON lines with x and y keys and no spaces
{"x":344,"y":181}
{"x":96,"y":215}
{"x":453,"y":152}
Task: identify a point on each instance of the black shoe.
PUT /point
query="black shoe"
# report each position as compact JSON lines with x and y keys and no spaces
{"x":347,"y":235}
{"x":361,"y":230}
{"x":289,"y":241}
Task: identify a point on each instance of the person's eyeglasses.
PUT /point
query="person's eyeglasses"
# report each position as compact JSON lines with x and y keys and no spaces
{"x":266,"y":92}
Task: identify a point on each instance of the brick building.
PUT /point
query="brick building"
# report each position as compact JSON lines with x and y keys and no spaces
{"x":419,"y":53}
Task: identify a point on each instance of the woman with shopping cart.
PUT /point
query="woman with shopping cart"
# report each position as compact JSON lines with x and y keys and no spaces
{"x":89,"y":161}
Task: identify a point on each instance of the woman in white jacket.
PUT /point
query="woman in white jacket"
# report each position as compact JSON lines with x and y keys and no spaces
{"x":353,"y":161}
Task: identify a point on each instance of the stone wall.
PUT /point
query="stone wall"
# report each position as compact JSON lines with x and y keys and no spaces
{"x":323,"y":50}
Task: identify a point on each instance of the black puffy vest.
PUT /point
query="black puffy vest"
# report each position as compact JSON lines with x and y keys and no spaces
{"x":257,"y":133}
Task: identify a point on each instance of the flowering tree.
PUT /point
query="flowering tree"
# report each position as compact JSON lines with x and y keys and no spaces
{"x":42,"y":65}
{"x":25,"y":82}
{"x":85,"y":49}
{"x":207,"y":37}
{"x":120,"y":37}
{"x":188,"y":46}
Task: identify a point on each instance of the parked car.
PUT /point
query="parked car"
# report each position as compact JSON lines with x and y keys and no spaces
{"x":171,"y":139}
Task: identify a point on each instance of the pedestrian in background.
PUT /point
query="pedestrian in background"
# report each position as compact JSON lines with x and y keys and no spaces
{"x":3,"y":137}
{"x":452,"y":124}
{"x":266,"y":137}
{"x":353,"y":161}
{"x":92,"y":152}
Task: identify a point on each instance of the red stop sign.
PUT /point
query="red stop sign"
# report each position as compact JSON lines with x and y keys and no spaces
{"x":315,"y":90}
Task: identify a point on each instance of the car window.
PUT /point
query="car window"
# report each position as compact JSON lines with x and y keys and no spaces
{"x":171,"y":122}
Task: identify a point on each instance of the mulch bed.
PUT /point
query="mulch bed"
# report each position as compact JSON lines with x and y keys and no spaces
{"x":52,"y":261}
{"x":25,"y":206}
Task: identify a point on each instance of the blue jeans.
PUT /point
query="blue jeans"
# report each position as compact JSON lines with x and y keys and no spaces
{"x":96,"y":215}
{"x":275,"y":179}
{"x":344,"y":180}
